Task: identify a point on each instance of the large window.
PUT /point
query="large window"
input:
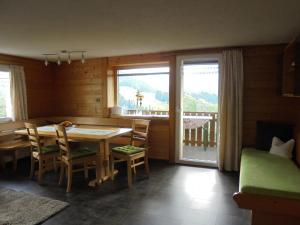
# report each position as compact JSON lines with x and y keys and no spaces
{"x":144,"y":88}
{"x":5,"y":99}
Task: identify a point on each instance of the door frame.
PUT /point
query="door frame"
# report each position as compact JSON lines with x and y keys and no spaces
{"x":178,"y":104}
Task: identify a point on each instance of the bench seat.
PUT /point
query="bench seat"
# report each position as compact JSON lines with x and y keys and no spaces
{"x":269,"y":187}
{"x":270,"y":175}
{"x":14,"y":145}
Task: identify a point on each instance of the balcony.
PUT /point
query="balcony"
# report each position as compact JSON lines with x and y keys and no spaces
{"x":200,"y":131}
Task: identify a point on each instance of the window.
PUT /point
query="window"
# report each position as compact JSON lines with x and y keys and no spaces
{"x":201,"y":84}
{"x":143,"y":88}
{"x":5,"y":99}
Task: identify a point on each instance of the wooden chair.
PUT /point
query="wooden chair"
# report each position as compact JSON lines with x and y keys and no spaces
{"x":70,"y":157}
{"x":136,"y":153}
{"x":45,"y":155}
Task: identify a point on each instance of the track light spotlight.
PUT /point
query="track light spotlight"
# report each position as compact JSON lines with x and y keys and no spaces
{"x":46,"y":61}
{"x":82,"y":58}
{"x":58,"y":60}
{"x":69,"y":58}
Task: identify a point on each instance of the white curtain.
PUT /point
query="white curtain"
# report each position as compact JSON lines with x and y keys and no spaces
{"x":231,"y":106}
{"x":18,"y":93}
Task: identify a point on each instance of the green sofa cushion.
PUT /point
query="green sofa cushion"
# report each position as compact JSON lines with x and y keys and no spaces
{"x":265,"y":174}
{"x":82,"y":152}
{"x":128,"y":149}
{"x":49,"y":149}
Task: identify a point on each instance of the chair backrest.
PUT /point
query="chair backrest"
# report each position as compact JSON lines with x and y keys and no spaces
{"x":33,"y":136}
{"x":62,"y":140}
{"x":140,"y":131}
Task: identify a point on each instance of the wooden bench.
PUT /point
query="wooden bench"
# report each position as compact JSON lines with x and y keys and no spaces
{"x":13,"y":146}
{"x":269,"y":187}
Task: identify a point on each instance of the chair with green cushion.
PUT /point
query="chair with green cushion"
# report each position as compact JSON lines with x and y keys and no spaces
{"x":77,"y":156}
{"x":45,"y":155}
{"x":136,"y":153}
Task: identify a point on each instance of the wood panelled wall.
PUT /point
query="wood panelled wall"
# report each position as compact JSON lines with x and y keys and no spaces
{"x":262,"y":91}
{"x":39,"y":83}
{"x":78,"y":86}
{"x":80,"y":89}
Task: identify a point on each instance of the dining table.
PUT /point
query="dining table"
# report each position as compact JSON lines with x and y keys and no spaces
{"x":89,"y":133}
{"x":194,"y":122}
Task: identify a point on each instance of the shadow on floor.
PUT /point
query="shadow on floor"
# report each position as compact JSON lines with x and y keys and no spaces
{"x":174,"y":194}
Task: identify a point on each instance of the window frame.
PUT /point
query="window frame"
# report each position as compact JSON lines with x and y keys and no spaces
{"x":138,"y":66}
{"x":5,"y":68}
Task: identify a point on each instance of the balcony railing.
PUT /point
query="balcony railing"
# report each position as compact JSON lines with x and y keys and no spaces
{"x":204,"y":136}
{"x":147,"y":112}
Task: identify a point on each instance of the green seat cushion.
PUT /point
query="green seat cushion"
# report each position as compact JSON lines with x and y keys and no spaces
{"x":128,"y":149}
{"x":265,"y":174}
{"x":49,"y":149}
{"x":82,"y":152}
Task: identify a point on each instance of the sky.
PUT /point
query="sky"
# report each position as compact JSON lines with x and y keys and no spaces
{"x":201,"y":78}
{"x":197,"y":78}
{"x":160,"y":82}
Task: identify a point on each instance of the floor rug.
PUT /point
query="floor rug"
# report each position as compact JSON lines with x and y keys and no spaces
{"x":17,"y":207}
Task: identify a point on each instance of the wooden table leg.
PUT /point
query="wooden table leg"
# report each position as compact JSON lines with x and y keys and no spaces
{"x":99,"y":166}
{"x":106,"y":167}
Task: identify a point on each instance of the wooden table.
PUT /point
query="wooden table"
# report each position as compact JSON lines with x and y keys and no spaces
{"x":87,"y":133}
{"x":194,"y":122}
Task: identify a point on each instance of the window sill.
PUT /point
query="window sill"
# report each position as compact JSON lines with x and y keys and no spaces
{"x":5,"y":120}
{"x":149,"y":117}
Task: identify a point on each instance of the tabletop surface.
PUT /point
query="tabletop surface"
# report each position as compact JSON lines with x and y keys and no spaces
{"x":194,"y":122}
{"x":82,"y":132}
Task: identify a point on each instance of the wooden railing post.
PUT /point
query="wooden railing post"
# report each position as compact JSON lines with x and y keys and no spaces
{"x":205,"y":135}
{"x":193,"y":137}
{"x":186,"y":136}
{"x":199,"y":136}
{"x":212,"y":130}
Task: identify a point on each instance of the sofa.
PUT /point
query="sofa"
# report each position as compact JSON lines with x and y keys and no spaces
{"x":270,"y":187}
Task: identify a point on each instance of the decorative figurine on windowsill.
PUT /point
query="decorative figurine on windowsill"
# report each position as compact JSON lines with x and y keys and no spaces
{"x":139,"y":101}
{"x":67,"y":124}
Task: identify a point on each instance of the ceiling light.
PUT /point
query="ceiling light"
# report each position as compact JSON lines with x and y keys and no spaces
{"x":46,"y":61}
{"x":69,"y":58}
{"x":58,"y":60}
{"x":82,"y":58}
{"x":65,"y":55}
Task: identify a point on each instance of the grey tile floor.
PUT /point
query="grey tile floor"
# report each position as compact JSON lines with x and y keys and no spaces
{"x":173,"y":195}
{"x":199,"y":153}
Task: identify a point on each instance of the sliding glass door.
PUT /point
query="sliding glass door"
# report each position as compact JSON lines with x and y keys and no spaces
{"x":197,"y":110}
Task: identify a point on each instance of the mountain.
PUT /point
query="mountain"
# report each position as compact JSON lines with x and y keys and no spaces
{"x":193,"y":102}
{"x":209,"y":97}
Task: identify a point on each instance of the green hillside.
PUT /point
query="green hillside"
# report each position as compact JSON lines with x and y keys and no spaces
{"x":192,"y":102}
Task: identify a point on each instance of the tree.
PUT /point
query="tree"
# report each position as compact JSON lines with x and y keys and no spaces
{"x":189,"y":103}
{"x":162,"y":96}
{"x":127,"y":104}
{"x":2,"y":106}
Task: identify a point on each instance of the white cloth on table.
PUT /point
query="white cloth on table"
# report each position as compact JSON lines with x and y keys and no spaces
{"x":194,"y":122}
